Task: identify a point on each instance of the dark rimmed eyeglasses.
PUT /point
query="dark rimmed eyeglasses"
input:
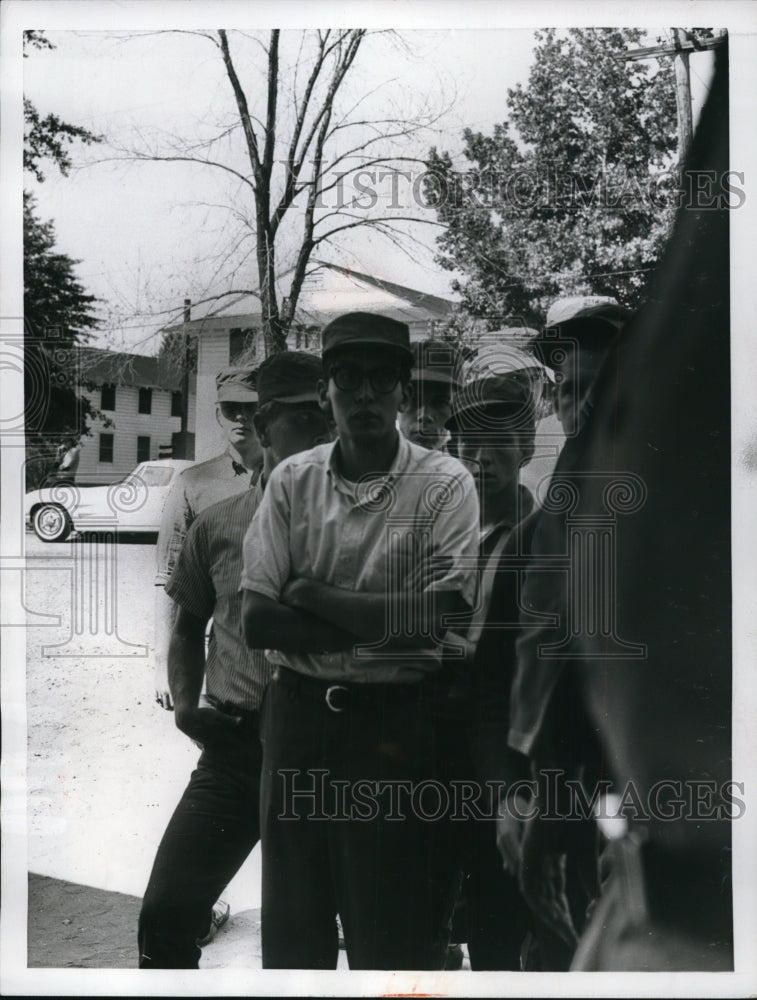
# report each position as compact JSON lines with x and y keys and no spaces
{"x":382,"y":380}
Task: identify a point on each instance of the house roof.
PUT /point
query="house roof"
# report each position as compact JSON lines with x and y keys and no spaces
{"x":432,"y":303}
{"x":318,"y":307}
{"x":101,"y":367}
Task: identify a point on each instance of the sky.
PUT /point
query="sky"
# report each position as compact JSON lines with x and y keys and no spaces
{"x":150,"y":234}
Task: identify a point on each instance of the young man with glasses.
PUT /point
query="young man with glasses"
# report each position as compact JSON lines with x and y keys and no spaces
{"x":347,"y":731}
{"x":216,"y":823}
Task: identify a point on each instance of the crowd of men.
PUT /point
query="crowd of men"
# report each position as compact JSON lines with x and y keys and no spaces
{"x":447,"y":707}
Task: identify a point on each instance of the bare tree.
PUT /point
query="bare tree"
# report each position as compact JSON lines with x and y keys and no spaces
{"x":292,"y":146}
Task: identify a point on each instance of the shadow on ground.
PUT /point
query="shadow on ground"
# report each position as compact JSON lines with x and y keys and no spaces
{"x":72,"y":926}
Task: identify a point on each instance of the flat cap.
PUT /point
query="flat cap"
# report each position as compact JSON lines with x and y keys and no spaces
{"x":363,"y":328}
{"x":237,"y":385}
{"x":289,"y":377}
{"x":509,"y":396}
{"x":435,"y":361}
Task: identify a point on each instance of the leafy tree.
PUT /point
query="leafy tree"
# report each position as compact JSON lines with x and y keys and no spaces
{"x":571,"y":194}
{"x":58,"y":312}
{"x":58,"y":315}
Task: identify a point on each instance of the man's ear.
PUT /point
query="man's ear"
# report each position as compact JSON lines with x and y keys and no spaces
{"x":406,"y":398}
{"x":323,"y":397}
{"x":218,"y":416}
{"x":261,"y":429}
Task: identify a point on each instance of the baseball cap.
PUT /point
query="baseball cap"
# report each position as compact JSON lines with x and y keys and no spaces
{"x":435,"y":361}
{"x":590,"y":320}
{"x":289,"y":377}
{"x":576,"y":307}
{"x":362,"y":328}
{"x":237,"y":385}
{"x":510,"y":395}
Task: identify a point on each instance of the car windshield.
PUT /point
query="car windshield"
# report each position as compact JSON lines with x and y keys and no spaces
{"x":156,"y":475}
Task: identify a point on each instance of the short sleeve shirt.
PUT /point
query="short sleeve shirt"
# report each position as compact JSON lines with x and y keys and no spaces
{"x":205,"y":582}
{"x":358,"y":536}
{"x":195,"y":489}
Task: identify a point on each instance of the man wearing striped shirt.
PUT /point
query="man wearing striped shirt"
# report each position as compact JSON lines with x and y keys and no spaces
{"x":215,"y":825}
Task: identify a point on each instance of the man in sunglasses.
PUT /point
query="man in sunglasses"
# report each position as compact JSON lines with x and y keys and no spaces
{"x":347,"y":730}
{"x":231,"y":472}
{"x":216,"y":823}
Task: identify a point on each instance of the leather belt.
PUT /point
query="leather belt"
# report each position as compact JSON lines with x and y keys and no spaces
{"x":340,"y":697}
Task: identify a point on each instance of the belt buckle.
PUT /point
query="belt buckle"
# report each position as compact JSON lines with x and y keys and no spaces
{"x":329,"y":692}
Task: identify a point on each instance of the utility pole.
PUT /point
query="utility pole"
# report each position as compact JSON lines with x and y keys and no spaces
{"x":683,"y":95}
{"x":682,"y":45}
{"x":185,"y":379}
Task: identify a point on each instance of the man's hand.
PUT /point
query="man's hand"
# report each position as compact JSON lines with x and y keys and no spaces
{"x":509,"y":836}
{"x":203,"y":723}
{"x":426,"y":571}
{"x":165,"y":616}
{"x":162,"y":692}
{"x":543,"y":883}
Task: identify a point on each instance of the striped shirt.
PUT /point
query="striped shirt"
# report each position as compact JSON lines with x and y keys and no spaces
{"x":195,"y":489}
{"x":357,"y":536}
{"x":205,"y":582}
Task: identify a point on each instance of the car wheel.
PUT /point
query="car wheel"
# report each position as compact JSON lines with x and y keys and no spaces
{"x":51,"y":523}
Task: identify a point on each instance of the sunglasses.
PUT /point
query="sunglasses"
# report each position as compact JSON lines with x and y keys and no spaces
{"x":382,"y":380}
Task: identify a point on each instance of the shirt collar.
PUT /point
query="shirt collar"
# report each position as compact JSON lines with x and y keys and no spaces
{"x":366,"y":492}
{"x":242,"y":470}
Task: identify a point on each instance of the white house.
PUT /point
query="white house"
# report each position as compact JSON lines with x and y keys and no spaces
{"x":141,"y":397}
{"x":234,"y":333}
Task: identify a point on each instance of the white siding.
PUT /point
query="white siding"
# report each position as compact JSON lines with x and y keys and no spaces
{"x":128,"y":425}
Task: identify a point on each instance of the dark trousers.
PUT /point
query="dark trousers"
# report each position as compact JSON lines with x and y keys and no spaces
{"x":334,"y":839}
{"x":479,"y":902}
{"x":212,"y":831}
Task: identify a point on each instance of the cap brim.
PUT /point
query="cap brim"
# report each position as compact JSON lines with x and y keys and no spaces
{"x":232,"y":395}
{"x":513,"y":407}
{"x":425,"y":375}
{"x":302,"y":397}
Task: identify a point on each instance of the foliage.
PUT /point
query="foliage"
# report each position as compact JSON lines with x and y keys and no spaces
{"x":58,"y":312}
{"x":48,"y":137}
{"x":571,"y":193}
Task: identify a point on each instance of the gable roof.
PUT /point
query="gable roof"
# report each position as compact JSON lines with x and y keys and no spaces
{"x":317,"y":306}
{"x":422,"y":300}
{"x":101,"y":367}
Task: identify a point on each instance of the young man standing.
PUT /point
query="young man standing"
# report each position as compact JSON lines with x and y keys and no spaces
{"x":493,"y":426}
{"x":433,"y":379}
{"x":216,"y":823}
{"x":537,"y":694}
{"x":347,"y":732}
{"x":229,"y":473}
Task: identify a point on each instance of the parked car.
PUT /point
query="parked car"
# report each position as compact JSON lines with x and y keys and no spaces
{"x":132,"y":504}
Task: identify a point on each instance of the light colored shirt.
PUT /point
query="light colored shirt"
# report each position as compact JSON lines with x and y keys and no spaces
{"x":195,"y":489}
{"x":205,"y":582}
{"x":359,"y":536}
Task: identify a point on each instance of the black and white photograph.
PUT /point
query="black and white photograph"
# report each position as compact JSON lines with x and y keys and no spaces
{"x":378,"y":443}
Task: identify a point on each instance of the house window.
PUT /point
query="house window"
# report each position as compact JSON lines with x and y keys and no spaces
{"x":108,"y":397}
{"x":143,"y":449}
{"x":145,"y":401}
{"x":242,"y":345}
{"x":106,"y":448}
{"x":176,"y":400}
